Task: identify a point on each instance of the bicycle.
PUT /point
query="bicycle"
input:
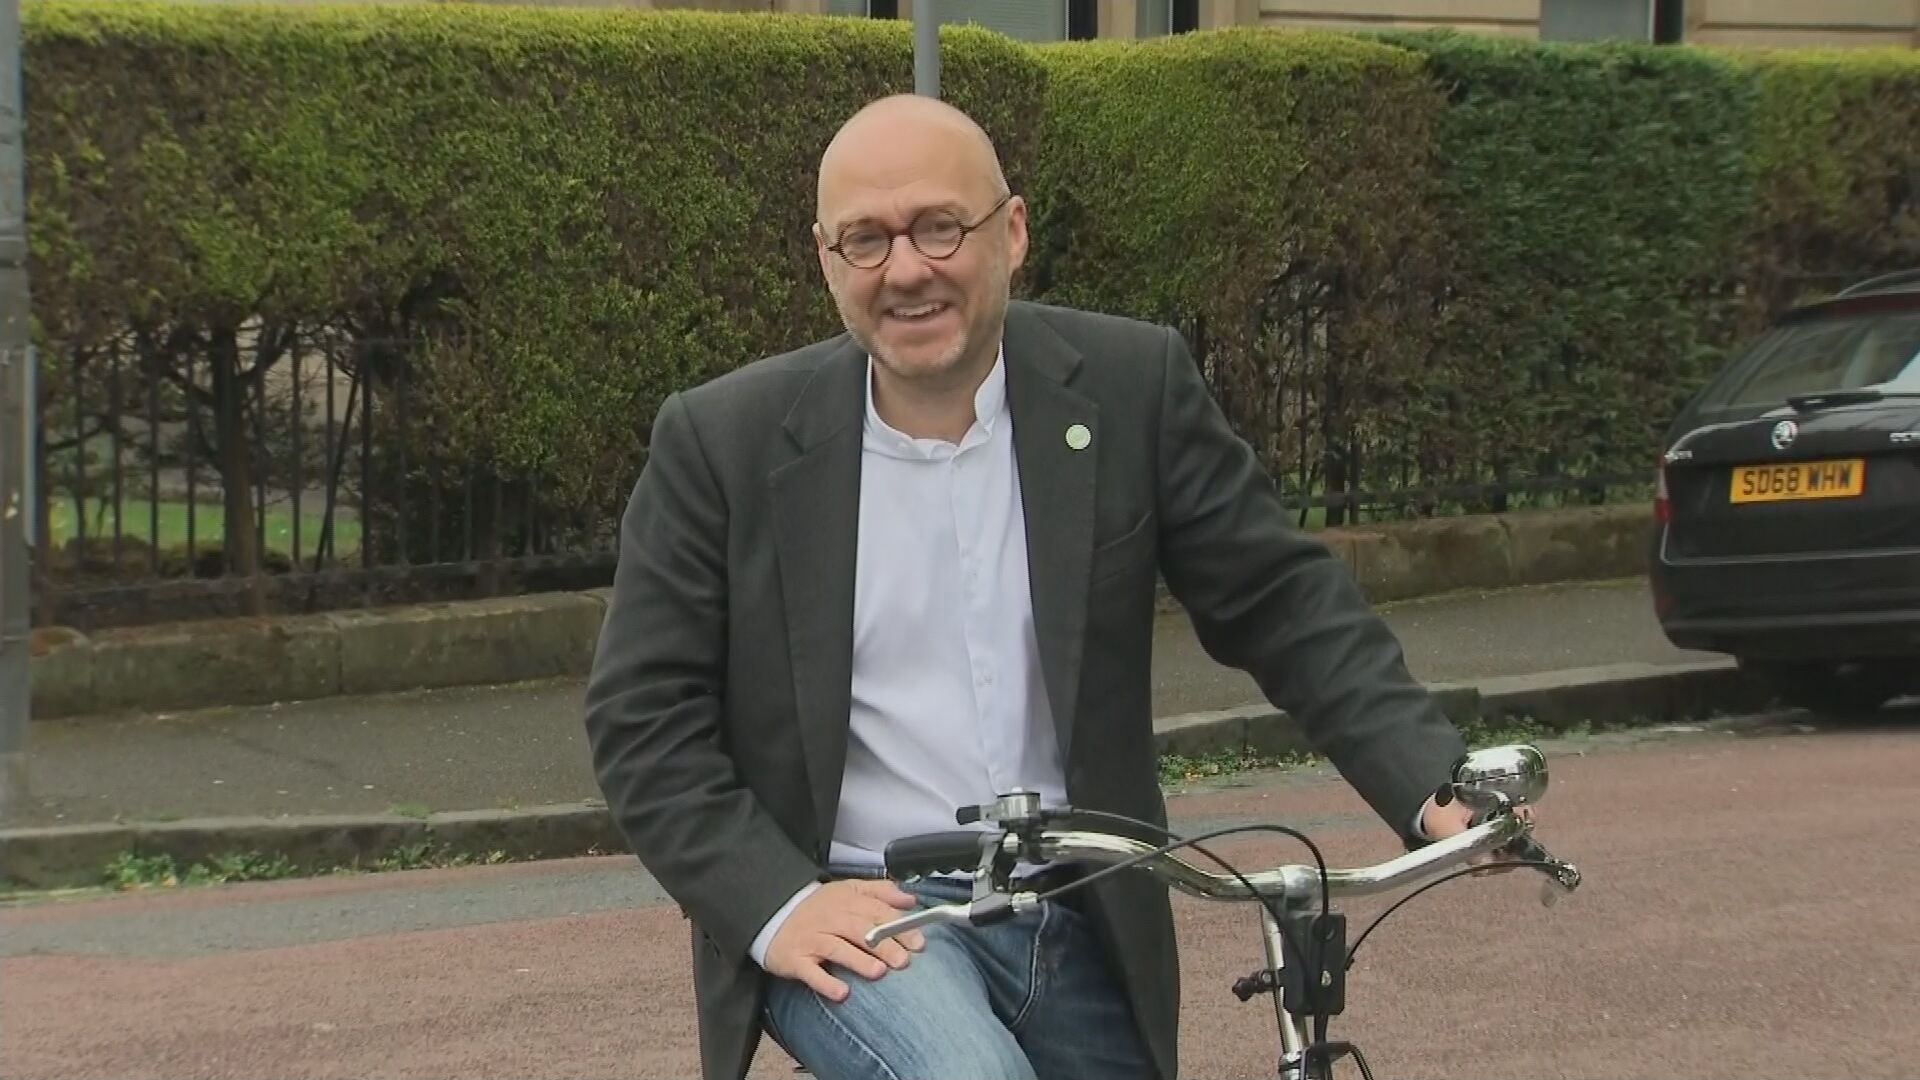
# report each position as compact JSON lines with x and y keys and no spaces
{"x":1305,"y":944}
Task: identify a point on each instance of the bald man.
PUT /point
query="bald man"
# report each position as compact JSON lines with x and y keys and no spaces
{"x":905,"y":569}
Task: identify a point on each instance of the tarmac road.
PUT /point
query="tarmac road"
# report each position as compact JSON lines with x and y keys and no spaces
{"x":1746,"y":913}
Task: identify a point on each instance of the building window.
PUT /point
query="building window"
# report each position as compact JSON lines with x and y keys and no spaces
{"x":1083,"y":20}
{"x":872,"y":9}
{"x":1660,"y":21}
{"x":1158,"y":18}
{"x":1150,"y":18}
{"x":1669,"y":22}
{"x":1024,"y":20}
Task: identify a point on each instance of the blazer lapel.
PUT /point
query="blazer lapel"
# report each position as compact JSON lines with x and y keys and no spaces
{"x":1057,"y":471}
{"x":816,"y":506}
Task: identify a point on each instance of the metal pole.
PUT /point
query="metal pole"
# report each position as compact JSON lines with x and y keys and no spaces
{"x":17,"y":418}
{"x":926,"y":48}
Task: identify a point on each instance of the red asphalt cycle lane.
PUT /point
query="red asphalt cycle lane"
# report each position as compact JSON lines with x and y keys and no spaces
{"x":1747,"y":912}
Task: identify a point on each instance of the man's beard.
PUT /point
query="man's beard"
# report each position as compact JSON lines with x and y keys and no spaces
{"x":947,"y":365}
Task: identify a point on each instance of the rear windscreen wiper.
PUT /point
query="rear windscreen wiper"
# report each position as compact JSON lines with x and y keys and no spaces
{"x":1827,"y":399}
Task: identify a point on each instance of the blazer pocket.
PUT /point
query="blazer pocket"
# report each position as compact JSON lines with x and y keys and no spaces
{"x":1128,"y":551}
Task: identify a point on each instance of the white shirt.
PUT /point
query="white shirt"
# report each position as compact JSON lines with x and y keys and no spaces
{"x":949,"y":707}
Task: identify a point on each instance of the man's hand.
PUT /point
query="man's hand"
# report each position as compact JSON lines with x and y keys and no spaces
{"x":827,"y":927}
{"x":1440,"y":822}
{"x":1456,"y":817}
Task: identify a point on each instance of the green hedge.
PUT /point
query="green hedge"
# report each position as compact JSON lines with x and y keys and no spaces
{"x":1408,"y":259}
{"x":1837,"y":150}
{"x":1255,"y":186}
{"x":1593,"y":198}
{"x":581,"y":210}
{"x":1444,"y":260}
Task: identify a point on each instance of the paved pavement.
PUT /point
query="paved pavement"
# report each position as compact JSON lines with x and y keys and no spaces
{"x":476,"y":748}
{"x":1745,"y":913}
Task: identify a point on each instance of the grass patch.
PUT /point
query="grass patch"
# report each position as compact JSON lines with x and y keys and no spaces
{"x":133,"y":873}
{"x":1526,"y":729}
{"x":1482,"y":732}
{"x":1183,"y":768}
{"x":138,"y":873}
{"x":137,"y":520}
{"x":426,"y":855}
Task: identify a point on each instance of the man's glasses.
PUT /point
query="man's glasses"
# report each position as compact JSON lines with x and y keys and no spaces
{"x":935,"y":234}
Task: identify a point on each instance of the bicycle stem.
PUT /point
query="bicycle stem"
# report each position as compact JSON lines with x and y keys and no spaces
{"x":1293,"y":1041}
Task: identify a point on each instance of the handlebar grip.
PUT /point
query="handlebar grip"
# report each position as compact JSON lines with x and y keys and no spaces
{"x":933,"y":853}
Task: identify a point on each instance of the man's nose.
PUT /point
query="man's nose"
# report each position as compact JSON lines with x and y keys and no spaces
{"x":906,"y":267}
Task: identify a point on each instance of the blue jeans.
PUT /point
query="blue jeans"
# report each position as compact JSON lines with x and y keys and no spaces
{"x":1031,"y":998}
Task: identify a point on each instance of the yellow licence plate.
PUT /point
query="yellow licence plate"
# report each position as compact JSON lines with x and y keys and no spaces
{"x":1799,"y":480}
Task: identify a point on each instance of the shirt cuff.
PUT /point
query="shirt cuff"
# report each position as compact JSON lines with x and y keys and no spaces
{"x":1419,"y":829}
{"x":764,"y":939}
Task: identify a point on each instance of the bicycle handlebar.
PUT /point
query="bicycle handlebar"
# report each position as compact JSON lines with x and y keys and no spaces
{"x":1496,"y":782}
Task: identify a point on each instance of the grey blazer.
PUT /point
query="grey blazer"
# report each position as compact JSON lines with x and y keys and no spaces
{"x":717,"y":705}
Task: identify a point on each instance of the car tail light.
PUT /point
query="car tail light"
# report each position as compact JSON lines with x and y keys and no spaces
{"x":1662,"y":502}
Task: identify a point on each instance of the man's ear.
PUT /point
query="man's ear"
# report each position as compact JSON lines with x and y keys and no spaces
{"x":820,"y":249}
{"x":1016,"y":232}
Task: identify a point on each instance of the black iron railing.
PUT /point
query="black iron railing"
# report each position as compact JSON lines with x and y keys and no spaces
{"x":280,"y":469}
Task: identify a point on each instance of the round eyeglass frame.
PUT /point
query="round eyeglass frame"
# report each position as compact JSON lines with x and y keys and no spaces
{"x":838,"y":247}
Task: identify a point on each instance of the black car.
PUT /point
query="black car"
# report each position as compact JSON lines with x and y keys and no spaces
{"x":1788,"y":503}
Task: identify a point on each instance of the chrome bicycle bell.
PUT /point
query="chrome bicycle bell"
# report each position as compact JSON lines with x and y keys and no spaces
{"x":1515,"y":774}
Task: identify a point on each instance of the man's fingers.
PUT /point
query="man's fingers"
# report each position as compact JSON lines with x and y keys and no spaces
{"x":873,"y":913}
{"x":910,"y":941}
{"x":1485,"y":861}
{"x":892,"y":952}
{"x":854,"y":958}
{"x":891,"y":901}
{"x":821,"y":983}
{"x":887,"y":893}
{"x":854,"y":926}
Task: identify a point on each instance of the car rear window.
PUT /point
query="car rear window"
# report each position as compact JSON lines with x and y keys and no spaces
{"x":1879,"y":350}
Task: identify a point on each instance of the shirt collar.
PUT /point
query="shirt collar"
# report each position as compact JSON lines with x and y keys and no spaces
{"x":989,"y":406}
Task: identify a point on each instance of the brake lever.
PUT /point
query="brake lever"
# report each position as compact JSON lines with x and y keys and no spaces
{"x":954,"y":913}
{"x":1562,"y":877}
{"x":985,"y":911}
